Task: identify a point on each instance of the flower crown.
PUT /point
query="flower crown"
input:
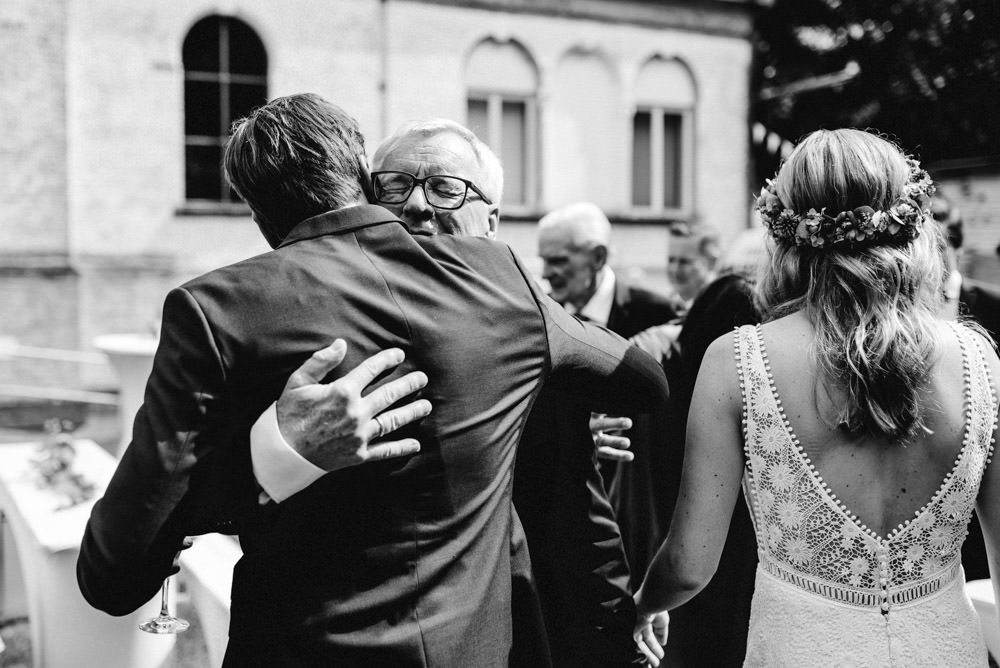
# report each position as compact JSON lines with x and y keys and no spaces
{"x":898,"y":224}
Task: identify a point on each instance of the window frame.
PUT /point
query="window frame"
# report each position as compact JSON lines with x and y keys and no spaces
{"x":657,"y":208}
{"x":227,"y":202}
{"x":494,"y":120}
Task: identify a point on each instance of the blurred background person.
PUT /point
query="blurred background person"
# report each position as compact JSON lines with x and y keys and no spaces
{"x":692,"y":255}
{"x":980,"y":301}
{"x":574,"y":242}
{"x":711,"y":628}
{"x":964,"y":296}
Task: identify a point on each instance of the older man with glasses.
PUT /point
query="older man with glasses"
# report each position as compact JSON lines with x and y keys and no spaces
{"x":439,"y":178}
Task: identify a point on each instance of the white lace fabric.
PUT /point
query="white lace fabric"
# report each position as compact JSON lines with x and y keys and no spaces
{"x":831,"y":589}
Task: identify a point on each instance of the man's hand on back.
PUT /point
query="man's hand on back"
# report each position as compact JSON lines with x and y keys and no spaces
{"x":333,"y":425}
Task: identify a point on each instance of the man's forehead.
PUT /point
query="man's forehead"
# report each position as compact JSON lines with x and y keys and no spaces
{"x":682,"y":246}
{"x":442,"y":150}
{"x":554,"y":244}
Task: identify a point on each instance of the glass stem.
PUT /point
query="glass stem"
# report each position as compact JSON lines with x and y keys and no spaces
{"x":163,"y":598}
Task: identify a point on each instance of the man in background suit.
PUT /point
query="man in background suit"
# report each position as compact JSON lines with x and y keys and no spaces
{"x":574,"y":243}
{"x":577,"y":558}
{"x":400,"y":562}
{"x":692,"y":256}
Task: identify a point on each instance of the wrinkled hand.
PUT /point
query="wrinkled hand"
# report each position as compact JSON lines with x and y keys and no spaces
{"x":611,"y":446}
{"x":333,"y":425}
{"x":650,"y":635}
{"x":659,"y":341}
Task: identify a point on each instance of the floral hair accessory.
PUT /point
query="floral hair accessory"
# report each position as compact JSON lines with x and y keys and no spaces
{"x":898,"y":224}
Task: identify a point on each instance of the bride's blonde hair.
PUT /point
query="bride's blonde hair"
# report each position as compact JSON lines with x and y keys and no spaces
{"x":873,"y":307}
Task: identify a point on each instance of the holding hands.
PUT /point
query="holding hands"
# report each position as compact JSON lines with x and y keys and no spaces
{"x":650,"y":636}
{"x":332,"y":425}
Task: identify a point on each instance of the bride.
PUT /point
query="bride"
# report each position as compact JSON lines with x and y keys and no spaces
{"x":860,"y":423}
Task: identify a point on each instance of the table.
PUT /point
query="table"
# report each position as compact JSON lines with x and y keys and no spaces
{"x":65,"y":631}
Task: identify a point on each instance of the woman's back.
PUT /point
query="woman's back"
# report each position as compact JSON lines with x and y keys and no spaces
{"x":861,"y":427}
{"x":858,"y":538}
{"x":881,"y":482}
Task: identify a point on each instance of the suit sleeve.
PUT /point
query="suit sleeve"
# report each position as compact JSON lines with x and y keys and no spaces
{"x":596,"y":365}
{"x":136,"y":529}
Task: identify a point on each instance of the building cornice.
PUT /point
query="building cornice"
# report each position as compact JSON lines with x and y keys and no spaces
{"x":729,"y":18}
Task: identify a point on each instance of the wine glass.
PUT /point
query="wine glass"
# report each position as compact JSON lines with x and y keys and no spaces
{"x":164,"y":622}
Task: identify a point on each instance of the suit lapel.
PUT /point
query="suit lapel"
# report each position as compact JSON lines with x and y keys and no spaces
{"x":619,"y":315}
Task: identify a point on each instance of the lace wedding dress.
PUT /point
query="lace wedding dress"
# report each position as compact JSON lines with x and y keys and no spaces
{"x":831,"y":592}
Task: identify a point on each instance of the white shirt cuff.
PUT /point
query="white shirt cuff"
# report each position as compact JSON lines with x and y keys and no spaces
{"x":279,"y":469}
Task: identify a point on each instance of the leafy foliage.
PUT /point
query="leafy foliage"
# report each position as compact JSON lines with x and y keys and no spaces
{"x":928,"y":71}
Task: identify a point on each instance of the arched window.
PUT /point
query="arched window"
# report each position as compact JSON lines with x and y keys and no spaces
{"x":662,"y":137}
{"x":225,"y":77}
{"x":502,"y":84}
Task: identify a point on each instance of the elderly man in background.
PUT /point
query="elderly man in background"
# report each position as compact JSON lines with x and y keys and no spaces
{"x":583,"y":603}
{"x":574,"y":243}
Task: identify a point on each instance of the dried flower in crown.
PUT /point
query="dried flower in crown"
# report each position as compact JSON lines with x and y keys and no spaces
{"x":899,"y":223}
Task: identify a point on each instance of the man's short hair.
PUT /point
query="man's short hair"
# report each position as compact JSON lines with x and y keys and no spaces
{"x":489,"y":164}
{"x":707,"y":240}
{"x":586,"y":223}
{"x":294,"y":158}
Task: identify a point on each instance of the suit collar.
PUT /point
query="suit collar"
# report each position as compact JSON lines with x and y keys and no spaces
{"x":340,"y":221}
{"x":598,"y":308}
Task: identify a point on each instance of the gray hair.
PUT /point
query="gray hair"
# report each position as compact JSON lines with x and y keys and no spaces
{"x":586,"y":223}
{"x":489,"y":164}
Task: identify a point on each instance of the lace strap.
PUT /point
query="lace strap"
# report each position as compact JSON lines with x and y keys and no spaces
{"x":747,"y":358}
{"x":980,"y":397}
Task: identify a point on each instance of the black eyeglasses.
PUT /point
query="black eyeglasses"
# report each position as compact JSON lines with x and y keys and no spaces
{"x":441,"y":192}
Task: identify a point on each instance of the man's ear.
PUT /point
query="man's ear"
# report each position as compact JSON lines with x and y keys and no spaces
{"x":600,"y":255}
{"x":493,"y":221}
{"x":365,"y":180}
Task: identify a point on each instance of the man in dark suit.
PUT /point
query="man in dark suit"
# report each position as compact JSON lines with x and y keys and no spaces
{"x":399,"y":562}
{"x":981,"y":302}
{"x":574,"y":243}
{"x":577,"y":559}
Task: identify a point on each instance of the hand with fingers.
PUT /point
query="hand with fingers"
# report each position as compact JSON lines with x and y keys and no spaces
{"x":333,"y":425}
{"x":650,"y":636}
{"x":606,"y":431}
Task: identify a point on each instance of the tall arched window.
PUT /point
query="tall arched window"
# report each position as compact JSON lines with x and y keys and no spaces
{"x":502,"y":84}
{"x":663,"y":137}
{"x":225,"y":77}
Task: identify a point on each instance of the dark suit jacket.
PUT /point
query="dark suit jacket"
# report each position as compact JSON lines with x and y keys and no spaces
{"x":981,"y":302}
{"x":710,"y":629}
{"x":396,"y":563}
{"x":633,"y":310}
{"x":578,"y":560}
